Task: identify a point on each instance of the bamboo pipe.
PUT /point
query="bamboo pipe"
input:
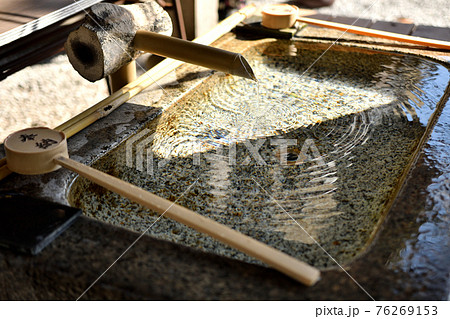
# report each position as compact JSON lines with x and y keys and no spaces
{"x":279,"y":16}
{"x":195,"y":53}
{"x":112,"y":102}
{"x":41,"y":150}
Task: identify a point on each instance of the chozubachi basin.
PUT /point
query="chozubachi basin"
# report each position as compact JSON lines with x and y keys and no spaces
{"x":314,"y":151}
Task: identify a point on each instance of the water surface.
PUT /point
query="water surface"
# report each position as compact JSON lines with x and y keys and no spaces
{"x":316,"y":160}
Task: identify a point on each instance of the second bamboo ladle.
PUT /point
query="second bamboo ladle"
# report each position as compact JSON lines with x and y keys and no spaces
{"x":280,"y":16}
{"x":41,"y":150}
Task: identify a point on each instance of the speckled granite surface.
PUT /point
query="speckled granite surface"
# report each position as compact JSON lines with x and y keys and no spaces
{"x":354,"y":122}
{"x":407,"y":260}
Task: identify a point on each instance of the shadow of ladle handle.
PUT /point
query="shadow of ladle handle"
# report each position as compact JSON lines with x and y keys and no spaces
{"x":284,"y":263}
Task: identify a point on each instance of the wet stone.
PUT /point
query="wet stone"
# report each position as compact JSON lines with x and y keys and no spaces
{"x":317,"y":158}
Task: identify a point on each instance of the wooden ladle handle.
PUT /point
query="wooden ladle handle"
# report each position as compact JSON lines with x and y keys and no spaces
{"x":377,"y":33}
{"x":286,"y":264}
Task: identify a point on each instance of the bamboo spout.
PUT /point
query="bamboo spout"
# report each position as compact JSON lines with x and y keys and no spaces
{"x":195,"y":53}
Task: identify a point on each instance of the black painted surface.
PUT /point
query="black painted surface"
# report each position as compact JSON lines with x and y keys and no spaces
{"x":430,"y":32}
{"x":402,"y":28}
{"x":29,"y":224}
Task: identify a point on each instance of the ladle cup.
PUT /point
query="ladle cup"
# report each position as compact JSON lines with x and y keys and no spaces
{"x":42,"y":150}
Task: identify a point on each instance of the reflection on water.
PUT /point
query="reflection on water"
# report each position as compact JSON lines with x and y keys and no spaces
{"x":324,"y":148}
{"x":425,"y":252}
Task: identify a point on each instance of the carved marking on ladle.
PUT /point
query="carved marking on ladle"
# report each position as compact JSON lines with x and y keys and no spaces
{"x":45,"y":143}
{"x":27,"y":137}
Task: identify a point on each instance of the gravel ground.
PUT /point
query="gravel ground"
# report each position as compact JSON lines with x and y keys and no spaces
{"x":435,"y":13}
{"x":51,"y":92}
{"x":45,"y":94}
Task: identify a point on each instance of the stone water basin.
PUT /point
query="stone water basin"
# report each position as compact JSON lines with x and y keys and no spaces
{"x":307,"y":160}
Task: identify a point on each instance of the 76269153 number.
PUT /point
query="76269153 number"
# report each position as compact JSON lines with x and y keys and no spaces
{"x":407,"y":310}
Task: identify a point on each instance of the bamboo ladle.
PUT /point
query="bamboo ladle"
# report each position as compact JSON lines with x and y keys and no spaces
{"x":280,"y":16}
{"x":41,"y":150}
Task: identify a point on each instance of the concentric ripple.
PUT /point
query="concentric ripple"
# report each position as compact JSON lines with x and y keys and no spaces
{"x":283,"y":99}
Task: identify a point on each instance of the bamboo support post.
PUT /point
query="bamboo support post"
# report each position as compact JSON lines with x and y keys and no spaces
{"x":123,"y":76}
